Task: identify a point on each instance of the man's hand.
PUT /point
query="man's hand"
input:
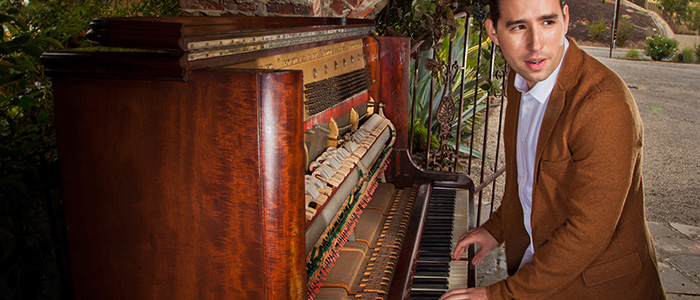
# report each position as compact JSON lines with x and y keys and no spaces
{"x":477,"y":236}
{"x":473,"y":293}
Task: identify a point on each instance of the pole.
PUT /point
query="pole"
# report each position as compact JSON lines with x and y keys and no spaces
{"x":614,"y":32}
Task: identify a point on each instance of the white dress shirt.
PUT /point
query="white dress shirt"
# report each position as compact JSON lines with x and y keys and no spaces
{"x":532,"y":107}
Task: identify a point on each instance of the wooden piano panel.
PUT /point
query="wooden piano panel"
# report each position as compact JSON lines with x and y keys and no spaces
{"x":184,"y":190}
{"x":393,"y":83}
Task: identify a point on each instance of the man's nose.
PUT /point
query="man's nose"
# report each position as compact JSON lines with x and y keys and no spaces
{"x":535,"y":39}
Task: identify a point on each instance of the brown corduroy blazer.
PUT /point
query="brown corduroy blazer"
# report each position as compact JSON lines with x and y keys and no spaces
{"x":590,"y":235}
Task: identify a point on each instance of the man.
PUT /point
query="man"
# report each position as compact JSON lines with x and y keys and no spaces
{"x":572,"y":214}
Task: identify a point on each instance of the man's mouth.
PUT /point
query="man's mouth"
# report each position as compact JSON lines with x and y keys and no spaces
{"x":535,"y":63}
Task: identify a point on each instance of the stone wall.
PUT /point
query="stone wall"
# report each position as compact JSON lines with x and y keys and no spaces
{"x":315,"y":8}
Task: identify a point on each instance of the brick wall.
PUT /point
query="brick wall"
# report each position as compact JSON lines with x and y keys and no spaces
{"x":316,"y":8}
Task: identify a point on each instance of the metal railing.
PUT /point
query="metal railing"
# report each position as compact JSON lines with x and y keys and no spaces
{"x":464,"y":112}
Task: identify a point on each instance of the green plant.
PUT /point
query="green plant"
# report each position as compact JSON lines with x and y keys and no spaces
{"x":454,"y":91}
{"x":697,"y":52}
{"x":597,"y":30}
{"x":633,"y":54}
{"x":659,"y":47}
{"x":420,"y":137}
{"x":687,"y":55}
{"x":625,"y":29}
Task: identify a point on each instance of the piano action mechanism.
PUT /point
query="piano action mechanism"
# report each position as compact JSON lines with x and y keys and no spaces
{"x":246,"y":158}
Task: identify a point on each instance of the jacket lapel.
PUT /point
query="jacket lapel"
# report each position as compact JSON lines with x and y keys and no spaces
{"x":566,"y":79}
{"x":554,"y":109}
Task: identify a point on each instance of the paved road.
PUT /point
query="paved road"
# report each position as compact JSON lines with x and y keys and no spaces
{"x":605,"y":52}
{"x":668,"y":97}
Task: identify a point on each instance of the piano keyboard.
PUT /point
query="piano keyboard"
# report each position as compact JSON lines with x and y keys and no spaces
{"x":436,"y":273}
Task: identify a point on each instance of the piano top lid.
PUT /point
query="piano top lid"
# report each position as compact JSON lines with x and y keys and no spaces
{"x":190,"y":34}
{"x":172,"y":46}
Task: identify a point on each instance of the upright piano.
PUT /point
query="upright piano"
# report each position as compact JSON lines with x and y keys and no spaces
{"x":245,"y":158}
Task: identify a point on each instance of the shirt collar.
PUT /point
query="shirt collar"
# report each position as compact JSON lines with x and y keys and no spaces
{"x":542,"y":89}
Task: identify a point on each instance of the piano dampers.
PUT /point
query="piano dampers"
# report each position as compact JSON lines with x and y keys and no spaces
{"x":323,"y":95}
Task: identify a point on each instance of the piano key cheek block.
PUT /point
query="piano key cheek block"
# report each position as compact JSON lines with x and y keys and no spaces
{"x":248,"y":158}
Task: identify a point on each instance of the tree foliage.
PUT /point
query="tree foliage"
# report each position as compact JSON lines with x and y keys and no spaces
{"x":685,"y":12}
{"x":28,"y":148}
{"x":676,"y":8}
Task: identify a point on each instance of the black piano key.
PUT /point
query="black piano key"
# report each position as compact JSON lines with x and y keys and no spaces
{"x":445,"y":267}
{"x":438,"y":227}
{"x":442,"y":244}
{"x":438,"y":237}
{"x":430,"y":283}
{"x":434,"y":256}
{"x":434,"y":248}
{"x":436,"y":273}
{"x":438,"y":221}
{"x":429,"y":264}
{"x":426,"y":295}
{"x":438,"y":217}
{"x":442,"y":198}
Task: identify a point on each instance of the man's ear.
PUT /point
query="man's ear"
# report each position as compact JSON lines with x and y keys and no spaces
{"x":565,"y":12}
{"x":491,"y":31}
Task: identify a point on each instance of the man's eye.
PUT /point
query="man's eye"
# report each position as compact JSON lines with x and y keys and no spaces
{"x":550,"y":22}
{"x":519,"y":27}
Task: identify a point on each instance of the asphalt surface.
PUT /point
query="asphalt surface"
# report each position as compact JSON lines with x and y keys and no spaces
{"x":668,"y":98}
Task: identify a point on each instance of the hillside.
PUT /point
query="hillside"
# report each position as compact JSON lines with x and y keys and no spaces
{"x":585,"y":11}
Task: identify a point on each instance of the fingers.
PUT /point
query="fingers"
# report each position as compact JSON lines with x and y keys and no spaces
{"x":464,"y":241}
{"x":479,"y":256}
{"x":478,"y":293}
{"x":477,"y":236}
{"x":458,"y":252}
{"x":451,"y":294}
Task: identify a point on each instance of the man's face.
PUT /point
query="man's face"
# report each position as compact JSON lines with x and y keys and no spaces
{"x":531,"y":36}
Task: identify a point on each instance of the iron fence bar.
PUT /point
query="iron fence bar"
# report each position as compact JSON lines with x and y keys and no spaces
{"x":486,"y":134}
{"x":489,"y":180}
{"x":476,"y":96}
{"x":502,"y":76}
{"x":447,"y":91}
{"x":413,"y":105}
{"x":429,"y":127}
{"x":461,"y":89}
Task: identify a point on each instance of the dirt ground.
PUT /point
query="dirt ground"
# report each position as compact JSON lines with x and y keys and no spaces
{"x":583,"y":12}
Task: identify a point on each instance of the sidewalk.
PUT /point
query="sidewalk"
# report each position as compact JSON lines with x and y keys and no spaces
{"x":677,"y":249}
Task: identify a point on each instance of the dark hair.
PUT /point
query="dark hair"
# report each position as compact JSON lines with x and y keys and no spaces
{"x":495,"y":10}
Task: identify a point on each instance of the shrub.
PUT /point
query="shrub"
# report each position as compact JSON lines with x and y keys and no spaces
{"x":659,"y":47}
{"x":31,"y":258}
{"x":597,"y":30}
{"x":624,"y":30}
{"x":633,"y":54}
{"x":697,"y":52}
{"x":687,"y":55}
{"x":420,"y":137}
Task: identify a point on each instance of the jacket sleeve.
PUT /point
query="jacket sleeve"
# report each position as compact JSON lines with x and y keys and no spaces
{"x":605,"y":141}
{"x":494,"y":226}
